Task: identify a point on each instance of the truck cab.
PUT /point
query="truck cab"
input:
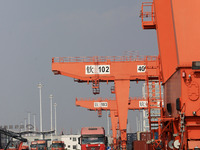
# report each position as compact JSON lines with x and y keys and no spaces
{"x":41,"y":145}
{"x":33,"y":145}
{"x":93,"y":138}
{"x":57,"y":145}
{"x":24,"y":147}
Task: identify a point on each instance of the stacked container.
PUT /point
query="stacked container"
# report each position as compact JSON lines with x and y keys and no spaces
{"x":145,"y":136}
{"x":141,"y":143}
{"x":131,"y":137}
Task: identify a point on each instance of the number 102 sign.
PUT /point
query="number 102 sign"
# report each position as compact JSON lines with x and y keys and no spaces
{"x":97,"y":69}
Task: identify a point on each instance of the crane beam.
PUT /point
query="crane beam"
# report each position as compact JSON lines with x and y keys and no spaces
{"x":111,"y":103}
{"x":104,"y":68}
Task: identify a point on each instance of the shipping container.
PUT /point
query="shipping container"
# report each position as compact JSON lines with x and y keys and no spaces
{"x":131,"y":137}
{"x":145,"y":136}
{"x":141,"y":145}
{"x":129,"y":146}
{"x":156,"y":135}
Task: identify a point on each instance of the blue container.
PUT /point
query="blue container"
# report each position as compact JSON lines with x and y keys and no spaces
{"x":156,"y":135}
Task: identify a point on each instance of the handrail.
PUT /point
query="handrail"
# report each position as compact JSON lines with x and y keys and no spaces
{"x":104,"y":99}
{"x":147,"y":14}
{"x":103,"y":59}
{"x":95,"y":99}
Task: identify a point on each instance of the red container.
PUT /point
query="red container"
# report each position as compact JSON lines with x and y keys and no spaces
{"x":145,"y":136}
{"x":141,"y":145}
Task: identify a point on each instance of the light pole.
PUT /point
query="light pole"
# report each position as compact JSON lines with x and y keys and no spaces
{"x":20,"y":126}
{"x":51,"y":111}
{"x":55,"y":117}
{"x":25,"y":124}
{"x":34,"y":122}
{"x":40,"y":92}
{"x":29,"y":121}
{"x":51,"y":97}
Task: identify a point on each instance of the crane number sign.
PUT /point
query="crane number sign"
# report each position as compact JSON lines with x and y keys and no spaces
{"x":143,"y":103}
{"x":97,"y":69}
{"x":100,"y":104}
{"x":141,"y":68}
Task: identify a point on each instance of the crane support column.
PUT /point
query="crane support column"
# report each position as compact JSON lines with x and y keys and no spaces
{"x":122,"y":97}
{"x":114,"y":122}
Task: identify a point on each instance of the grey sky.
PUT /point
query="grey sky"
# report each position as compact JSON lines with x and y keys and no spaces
{"x":34,"y":31}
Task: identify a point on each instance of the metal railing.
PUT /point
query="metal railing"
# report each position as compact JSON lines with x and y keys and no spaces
{"x":102,"y":59}
{"x":95,"y":99}
{"x":147,"y":12}
{"x":110,"y":98}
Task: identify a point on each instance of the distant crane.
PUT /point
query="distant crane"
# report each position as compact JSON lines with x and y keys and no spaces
{"x":100,"y":104}
{"x":118,"y":69}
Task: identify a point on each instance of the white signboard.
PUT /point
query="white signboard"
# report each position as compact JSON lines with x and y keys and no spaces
{"x":97,"y":69}
{"x":100,"y":104}
{"x":141,"y":68}
{"x":143,"y":103}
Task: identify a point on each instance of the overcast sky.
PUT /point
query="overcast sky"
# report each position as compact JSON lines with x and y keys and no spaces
{"x":34,"y":31}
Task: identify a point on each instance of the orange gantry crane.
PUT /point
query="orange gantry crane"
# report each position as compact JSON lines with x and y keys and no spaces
{"x":177,"y":25}
{"x":118,"y":69}
{"x":111,"y":105}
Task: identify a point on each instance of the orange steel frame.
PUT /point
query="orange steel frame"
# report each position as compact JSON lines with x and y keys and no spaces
{"x":122,"y":70}
{"x":177,"y":25}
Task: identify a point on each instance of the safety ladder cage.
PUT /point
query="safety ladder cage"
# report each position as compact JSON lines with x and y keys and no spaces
{"x":147,"y":15}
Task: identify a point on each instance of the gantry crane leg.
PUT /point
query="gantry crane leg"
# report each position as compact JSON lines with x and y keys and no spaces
{"x":122,"y":97}
{"x":114,"y":122}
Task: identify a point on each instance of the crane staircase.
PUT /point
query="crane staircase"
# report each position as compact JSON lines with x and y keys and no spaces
{"x":155,"y":103}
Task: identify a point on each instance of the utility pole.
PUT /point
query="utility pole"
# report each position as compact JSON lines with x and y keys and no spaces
{"x":40,"y":92}
{"x":55,"y":118}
